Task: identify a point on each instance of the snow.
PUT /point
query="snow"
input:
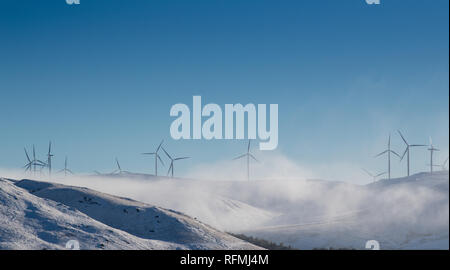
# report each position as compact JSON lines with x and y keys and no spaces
{"x":403,"y":213}
{"x":38,"y":215}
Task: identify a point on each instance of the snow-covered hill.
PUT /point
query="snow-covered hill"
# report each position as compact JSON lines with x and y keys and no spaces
{"x":38,"y":215}
{"x":403,"y":213}
{"x":198,"y":199}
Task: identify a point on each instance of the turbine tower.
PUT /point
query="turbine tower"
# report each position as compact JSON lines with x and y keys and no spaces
{"x":65,"y":170}
{"x":247,"y":155}
{"x":172,"y":160}
{"x":431,"y":149}
{"x":408,"y":147}
{"x":388,"y":152}
{"x":156,"y":157}
{"x":37,"y":162}
{"x":49,"y":159}
{"x":374,"y":176}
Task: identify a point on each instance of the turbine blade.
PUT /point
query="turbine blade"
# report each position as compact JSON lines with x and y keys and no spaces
{"x":367,"y":172}
{"x":181,"y":158}
{"x":160,"y":159}
{"x":253,"y":157}
{"x":416,"y":145}
{"x":248,"y":148}
{"x":118,"y":165}
{"x":41,"y":163}
{"x":27,"y":165}
{"x":380,"y":174}
{"x":166,"y":153}
{"x":404,"y":153}
{"x":382,"y":153}
{"x":170,"y":167}
{"x":393,"y":152}
{"x":26,"y":153}
{"x":159,"y":146}
{"x":403,"y":138}
{"x":241,"y":156}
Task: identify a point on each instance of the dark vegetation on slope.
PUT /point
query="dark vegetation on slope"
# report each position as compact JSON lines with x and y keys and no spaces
{"x":262,"y":242}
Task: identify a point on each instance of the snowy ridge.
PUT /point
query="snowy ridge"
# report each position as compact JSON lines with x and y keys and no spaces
{"x":38,"y":215}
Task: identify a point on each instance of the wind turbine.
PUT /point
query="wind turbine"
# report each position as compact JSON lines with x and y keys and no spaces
{"x":65,"y":170}
{"x":156,"y":157}
{"x":119,"y":169}
{"x":49,"y":158}
{"x":374,"y":176}
{"x":408,"y":146}
{"x":32,"y":163}
{"x":172,"y":160}
{"x":388,"y":152}
{"x":443,"y":166}
{"x":248,"y":155}
{"x":431,"y":149}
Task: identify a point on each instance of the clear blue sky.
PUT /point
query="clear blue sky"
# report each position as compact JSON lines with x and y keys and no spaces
{"x":99,"y":78}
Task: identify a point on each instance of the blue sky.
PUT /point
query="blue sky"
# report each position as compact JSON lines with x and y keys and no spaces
{"x":99,"y":78}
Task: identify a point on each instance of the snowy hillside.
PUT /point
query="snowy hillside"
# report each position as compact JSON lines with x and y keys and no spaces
{"x":37,"y":215}
{"x":403,"y":213}
{"x":198,"y":199}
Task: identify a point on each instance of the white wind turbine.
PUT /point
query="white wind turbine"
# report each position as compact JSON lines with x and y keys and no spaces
{"x":156,"y":157}
{"x":49,"y":159}
{"x":432,"y":149}
{"x":407,"y":150}
{"x":172,"y":160}
{"x":388,"y":152}
{"x":65,"y":170}
{"x":374,"y":176}
{"x":247,"y":155}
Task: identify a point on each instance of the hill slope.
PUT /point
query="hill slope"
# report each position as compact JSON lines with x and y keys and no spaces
{"x":38,"y":215}
{"x":404,"y":213}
